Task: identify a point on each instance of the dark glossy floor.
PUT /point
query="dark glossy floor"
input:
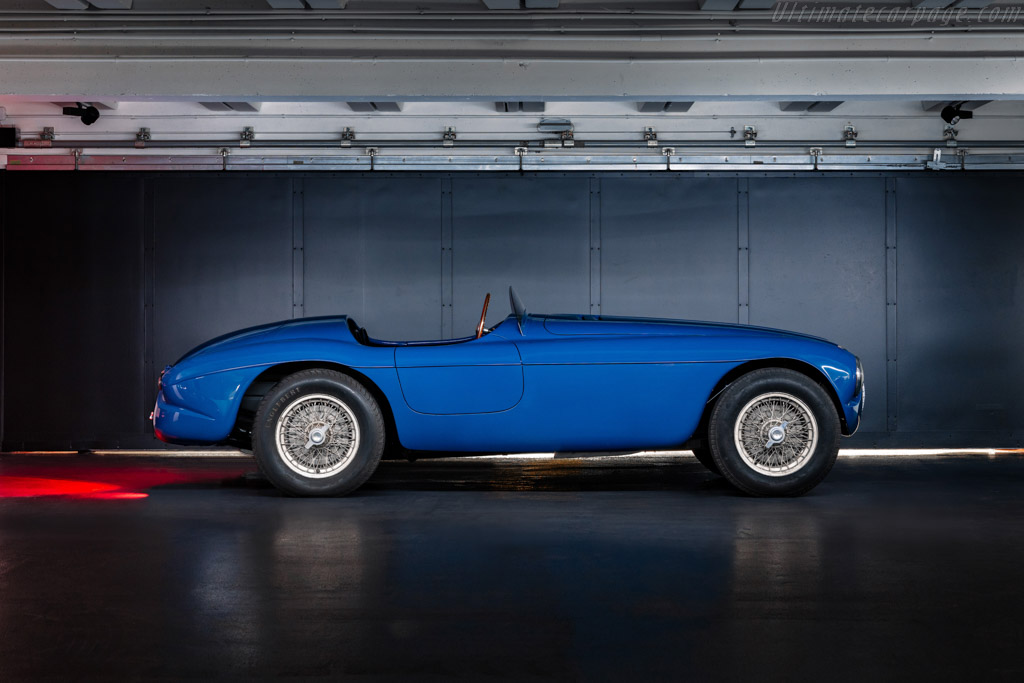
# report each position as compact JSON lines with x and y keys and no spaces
{"x":635,"y":569}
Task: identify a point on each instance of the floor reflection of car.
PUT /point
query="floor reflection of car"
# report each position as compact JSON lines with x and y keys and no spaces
{"x":319,"y":401}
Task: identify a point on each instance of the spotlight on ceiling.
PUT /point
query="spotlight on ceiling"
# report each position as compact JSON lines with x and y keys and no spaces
{"x":952,"y":113}
{"x":88,"y":113}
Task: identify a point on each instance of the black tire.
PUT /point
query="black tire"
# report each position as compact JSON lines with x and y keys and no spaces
{"x":703,"y":455}
{"x":351,"y":451}
{"x":810,"y":438}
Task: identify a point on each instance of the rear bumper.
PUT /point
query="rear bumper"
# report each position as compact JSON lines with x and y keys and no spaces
{"x":181,"y":426}
{"x":200,"y":410}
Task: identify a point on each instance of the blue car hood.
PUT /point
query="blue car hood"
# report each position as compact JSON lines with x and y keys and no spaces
{"x":611,"y":325}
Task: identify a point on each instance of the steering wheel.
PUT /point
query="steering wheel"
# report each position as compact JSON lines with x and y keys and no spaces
{"x":483,"y":317}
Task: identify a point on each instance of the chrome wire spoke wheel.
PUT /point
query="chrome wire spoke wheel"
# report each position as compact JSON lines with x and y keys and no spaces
{"x":776,"y":434}
{"x":317,"y":436}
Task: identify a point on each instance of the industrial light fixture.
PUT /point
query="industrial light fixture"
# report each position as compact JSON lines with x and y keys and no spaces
{"x":88,"y":113}
{"x":953,"y":112}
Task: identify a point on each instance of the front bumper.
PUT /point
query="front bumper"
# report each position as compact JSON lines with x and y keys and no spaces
{"x":853,"y":411}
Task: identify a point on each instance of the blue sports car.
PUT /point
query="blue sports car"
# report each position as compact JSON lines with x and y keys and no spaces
{"x":319,"y":401}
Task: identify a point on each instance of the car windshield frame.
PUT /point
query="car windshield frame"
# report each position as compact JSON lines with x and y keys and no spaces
{"x":518,"y":309}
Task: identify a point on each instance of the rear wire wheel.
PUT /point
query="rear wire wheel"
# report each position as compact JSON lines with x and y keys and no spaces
{"x":318,"y":433}
{"x":774,"y":432}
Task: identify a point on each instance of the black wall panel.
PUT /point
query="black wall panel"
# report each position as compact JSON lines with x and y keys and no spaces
{"x":961,"y":305}
{"x":73,"y":309}
{"x":222,"y":257}
{"x":817,"y":265}
{"x":532,"y":233}
{"x":668,"y":247}
{"x":107,"y":277}
{"x":374,"y":257}
{"x":3,"y":238}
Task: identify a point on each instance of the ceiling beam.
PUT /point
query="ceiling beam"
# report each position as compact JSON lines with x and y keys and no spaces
{"x":123,"y":63}
{"x":397,"y":80}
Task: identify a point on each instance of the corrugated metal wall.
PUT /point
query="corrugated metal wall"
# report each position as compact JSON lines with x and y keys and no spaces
{"x":107,"y":277}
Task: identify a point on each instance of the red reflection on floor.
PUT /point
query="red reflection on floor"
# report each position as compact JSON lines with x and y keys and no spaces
{"x":28,"y":487}
{"x":120,"y":495}
{"x":113,"y":479}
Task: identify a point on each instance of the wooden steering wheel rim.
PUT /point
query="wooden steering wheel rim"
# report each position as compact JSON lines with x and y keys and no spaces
{"x":483,"y":317}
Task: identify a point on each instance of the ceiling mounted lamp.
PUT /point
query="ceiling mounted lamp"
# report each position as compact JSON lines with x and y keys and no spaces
{"x":953,"y":112}
{"x":88,"y":113}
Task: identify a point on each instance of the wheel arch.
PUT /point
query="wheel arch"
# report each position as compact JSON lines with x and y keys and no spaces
{"x":803,"y":367}
{"x":241,"y":432}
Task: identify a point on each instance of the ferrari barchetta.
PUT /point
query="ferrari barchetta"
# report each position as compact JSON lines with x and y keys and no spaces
{"x":319,"y":401}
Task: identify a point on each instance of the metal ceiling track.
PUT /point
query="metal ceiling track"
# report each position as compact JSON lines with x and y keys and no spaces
{"x":563,"y":153}
{"x":937,"y":159}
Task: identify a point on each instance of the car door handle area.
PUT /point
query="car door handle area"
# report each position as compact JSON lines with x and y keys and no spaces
{"x":461,"y":379}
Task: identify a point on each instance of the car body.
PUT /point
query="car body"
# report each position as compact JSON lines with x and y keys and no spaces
{"x":532,"y":383}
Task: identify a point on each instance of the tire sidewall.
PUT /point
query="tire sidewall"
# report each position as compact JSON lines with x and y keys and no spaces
{"x":723,"y":443}
{"x":355,"y":398}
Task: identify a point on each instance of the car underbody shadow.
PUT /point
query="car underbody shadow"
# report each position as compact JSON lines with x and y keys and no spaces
{"x":656,"y":472}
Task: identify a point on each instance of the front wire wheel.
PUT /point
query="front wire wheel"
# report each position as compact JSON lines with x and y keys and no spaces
{"x":774,"y":432}
{"x":318,"y":433}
